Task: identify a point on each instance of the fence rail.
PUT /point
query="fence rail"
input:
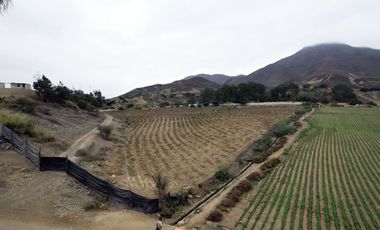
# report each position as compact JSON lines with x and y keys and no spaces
{"x":125,"y":198}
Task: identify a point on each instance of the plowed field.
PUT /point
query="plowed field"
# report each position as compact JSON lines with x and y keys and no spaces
{"x":186,"y":145}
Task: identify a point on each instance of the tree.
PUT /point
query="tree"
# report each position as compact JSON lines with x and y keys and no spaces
{"x":207,"y":96}
{"x":61,"y":93}
{"x":44,"y":88}
{"x":343,"y":93}
{"x":4,"y":4}
{"x":285,"y":92}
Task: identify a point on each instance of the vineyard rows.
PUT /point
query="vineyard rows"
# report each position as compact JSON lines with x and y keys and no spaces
{"x":329,"y":180}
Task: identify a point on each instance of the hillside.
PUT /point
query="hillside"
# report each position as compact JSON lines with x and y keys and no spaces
{"x":176,"y":92}
{"x":323,"y":61}
{"x":55,"y":127}
{"x":217,"y":78}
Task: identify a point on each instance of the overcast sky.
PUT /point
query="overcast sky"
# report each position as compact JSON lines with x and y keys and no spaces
{"x":118,"y":45}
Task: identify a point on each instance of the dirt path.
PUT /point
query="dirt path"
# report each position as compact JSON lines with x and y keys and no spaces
{"x":86,"y":139}
{"x":198,"y":220}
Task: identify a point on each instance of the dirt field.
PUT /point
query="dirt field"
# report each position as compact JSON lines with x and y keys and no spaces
{"x":186,"y":145}
{"x":329,"y":180}
{"x":30,"y":199}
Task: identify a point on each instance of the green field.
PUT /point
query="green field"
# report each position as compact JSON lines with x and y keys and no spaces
{"x":329,"y":180}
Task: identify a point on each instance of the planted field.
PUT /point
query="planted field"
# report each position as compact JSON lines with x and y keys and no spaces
{"x":330,"y":179}
{"x":186,"y":145}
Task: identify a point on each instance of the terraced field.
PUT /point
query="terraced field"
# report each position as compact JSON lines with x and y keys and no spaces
{"x":329,"y":180}
{"x":186,"y":145}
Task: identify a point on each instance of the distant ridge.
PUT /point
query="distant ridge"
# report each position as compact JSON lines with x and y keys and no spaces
{"x":334,"y":58}
{"x":217,"y":78}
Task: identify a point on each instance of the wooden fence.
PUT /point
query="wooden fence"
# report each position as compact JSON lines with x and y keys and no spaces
{"x":125,"y":198}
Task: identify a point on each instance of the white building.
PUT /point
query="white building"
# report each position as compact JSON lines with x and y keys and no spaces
{"x":2,"y":85}
{"x":20,"y":86}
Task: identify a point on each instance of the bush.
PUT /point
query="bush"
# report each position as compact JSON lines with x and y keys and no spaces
{"x":25,"y":126}
{"x":130,"y":105}
{"x":105,"y":131}
{"x":263,"y":143}
{"x":244,"y":186}
{"x":19,"y":123}
{"x":23,"y":104}
{"x":283,"y":128}
{"x":270,"y":164}
{"x":83,"y":104}
{"x":215,"y":216}
{"x":223,"y":173}
{"x":255,"y":176}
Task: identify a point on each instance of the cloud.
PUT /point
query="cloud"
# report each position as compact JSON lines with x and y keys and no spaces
{"x":119,"y":45}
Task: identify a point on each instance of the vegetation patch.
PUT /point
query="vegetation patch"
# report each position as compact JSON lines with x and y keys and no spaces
{"x":24,"y":126}
{"x":105,"y":131}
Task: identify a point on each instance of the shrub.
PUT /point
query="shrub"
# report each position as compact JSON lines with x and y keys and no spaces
{"x":263,"y":143}
{"x":130,"y":105}
{"x":105,"y":131}
{"x":222,"y":174}
{"x":244,"y":186}
{"x":25,"y":126}
{"x":19,"y":123}
{"x":43,"y":136}
{"x":215,"y":216}
{"x":255,"y":176}
{"x":270,"y":164}
{"x":227,"y":203}
{"x":283,"y":128}
{"x":23,"y":104}
{"x":83,"y":104}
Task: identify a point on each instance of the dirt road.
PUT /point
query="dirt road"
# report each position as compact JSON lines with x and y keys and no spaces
{"x":85,"y":140}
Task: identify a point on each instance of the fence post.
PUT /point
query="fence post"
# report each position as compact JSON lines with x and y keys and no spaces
{"x":66,"y":166}
{"x":25,"y":147}
{"x":12,"y":137}
{"x":39,"y":158}
{"x":2,"y":128}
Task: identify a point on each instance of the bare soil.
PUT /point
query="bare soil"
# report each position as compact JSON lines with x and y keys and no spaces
{"x":30,"y":199}
{"x":185,"y":145}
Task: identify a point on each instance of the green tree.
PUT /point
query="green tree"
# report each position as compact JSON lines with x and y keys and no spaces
{"x":285,"y":92}
{"x":44,"y":88}
{"x":207,"y":96}
{"x":4,"y":4}
{"x":343,"y":93}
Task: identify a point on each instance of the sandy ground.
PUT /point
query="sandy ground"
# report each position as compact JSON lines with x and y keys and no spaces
{"x":199,"y":219}
{"x":85,"y":140}
{"x":30,"y":199}
{"x":185,"y":145}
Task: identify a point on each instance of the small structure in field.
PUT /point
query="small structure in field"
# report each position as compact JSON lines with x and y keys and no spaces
{"x":2,"y":85}
{"x":20,"y":86}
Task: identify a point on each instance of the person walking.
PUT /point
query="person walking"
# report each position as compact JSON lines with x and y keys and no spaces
{"x":159,"y":224}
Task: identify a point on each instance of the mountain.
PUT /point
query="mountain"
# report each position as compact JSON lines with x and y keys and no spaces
{"x":217,"y":78}
{"x":334,"y":63}
{"x":176,"y":92}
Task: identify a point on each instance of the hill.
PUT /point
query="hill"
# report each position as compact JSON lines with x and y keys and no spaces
{"x":176,"y":92}
{"x":332,"y":63}
{"x":217,"y":78}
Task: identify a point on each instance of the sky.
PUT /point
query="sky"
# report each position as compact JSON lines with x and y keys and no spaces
{"x":118,"y":45}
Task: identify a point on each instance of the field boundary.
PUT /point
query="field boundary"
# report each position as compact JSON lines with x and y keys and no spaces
{"x":186,"y":217}
{"x":217,"y":191}
{"x":122,"y":197}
